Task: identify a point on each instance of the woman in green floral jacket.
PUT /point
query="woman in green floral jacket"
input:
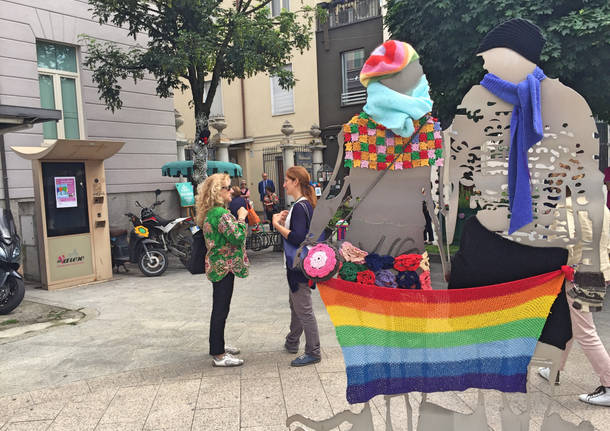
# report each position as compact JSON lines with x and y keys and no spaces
{"x":225,"y":238}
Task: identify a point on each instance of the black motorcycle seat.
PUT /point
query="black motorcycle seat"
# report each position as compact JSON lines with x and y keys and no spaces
{"x":160,"y":221}
{"x":117,"y":231}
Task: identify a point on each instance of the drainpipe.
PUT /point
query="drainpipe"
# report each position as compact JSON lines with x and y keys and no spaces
{"x":243,"y":108}
{"x":4,"y":174}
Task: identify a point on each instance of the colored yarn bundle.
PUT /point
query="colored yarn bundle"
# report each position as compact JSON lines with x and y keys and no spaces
{"x":425,"y":281}
{"x":366,"y":277}
{"x":396,"y":341}
{"x":408,"y":280}
{"x":407,"y":262}
{"x":385,"y":278}
{"x":349,"y":271}
{"x":376,"y":262}
{"x":351,"y":253}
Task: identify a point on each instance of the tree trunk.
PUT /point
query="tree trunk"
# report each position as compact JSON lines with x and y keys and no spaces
{"x":200,"y":148}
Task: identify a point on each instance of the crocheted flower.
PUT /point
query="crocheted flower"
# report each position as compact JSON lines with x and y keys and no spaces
{"x":352,"y":253}
{"x":407,"y":262}
{"x":425,"y":262}
{"x":366,"y":277}
{"x":424,"y":279}
{"x":408,"y":280}
{"x":349,"y":271}
{"x":385,"y":278}
{"x":320,"y":261}
{"x":376,"y":262}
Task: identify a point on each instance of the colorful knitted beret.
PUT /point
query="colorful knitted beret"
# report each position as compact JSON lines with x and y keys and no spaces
{"x":387,"y":60}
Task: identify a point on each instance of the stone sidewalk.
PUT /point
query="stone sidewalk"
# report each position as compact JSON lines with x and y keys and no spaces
{"x":140,"y":362}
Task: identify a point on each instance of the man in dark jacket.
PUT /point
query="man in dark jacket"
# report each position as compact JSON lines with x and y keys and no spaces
{"x":262,"y":186}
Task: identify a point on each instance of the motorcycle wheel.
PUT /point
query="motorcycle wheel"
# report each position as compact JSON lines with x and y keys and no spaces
{"x":11,"y":294}
{"x":155,"y":265}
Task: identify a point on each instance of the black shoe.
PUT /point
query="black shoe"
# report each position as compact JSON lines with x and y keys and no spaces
{"x":291,"y":349}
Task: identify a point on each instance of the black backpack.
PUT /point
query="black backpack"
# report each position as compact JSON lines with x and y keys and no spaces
{"x":196,"y":263}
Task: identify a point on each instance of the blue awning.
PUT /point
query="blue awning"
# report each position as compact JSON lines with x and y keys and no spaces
{"x":185,"y":168}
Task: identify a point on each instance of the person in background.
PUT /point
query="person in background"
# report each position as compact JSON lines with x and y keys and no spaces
{"x":262,"y":187}
{"x":293,"y":225}
{"x":428,"y":233}
{"x":237,"y":202}
{"x":245,"y":193}
{"x":225,"y":238}
{"x":271,"y":204}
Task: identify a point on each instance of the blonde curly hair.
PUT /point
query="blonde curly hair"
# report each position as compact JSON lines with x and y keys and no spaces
{"x":208,"y":195}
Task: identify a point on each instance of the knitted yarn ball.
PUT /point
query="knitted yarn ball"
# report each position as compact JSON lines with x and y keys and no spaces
{"x":385,"y":278}
{"x":425,"y":262}
{"x":376,"y":262}
{"x":424,"y":279}
{"x":366,"y":277}
{"x":407,"y":262}
{"x":349,"y":271}
{"x":386,"y":60}
{"x":408,"y":280}
{"x":351,"y":253}
{"x":321,"y":262}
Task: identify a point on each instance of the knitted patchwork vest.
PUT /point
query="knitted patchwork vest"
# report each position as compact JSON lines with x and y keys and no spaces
{"x":370,"y":145}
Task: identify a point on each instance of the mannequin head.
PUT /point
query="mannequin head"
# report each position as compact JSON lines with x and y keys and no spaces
{"x":507,"y":64}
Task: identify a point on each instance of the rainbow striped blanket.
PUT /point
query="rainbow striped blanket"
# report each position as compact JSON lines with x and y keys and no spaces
{"x":396,"y":341}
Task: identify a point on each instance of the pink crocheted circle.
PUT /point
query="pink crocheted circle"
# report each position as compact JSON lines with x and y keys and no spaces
{"x":320,"y":261}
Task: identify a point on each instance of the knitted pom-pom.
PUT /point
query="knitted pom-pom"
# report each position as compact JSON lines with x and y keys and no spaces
{"x":408,"y":280}
{"x":366,"y":277}
{"x":349,"y":271}
{"x":387,"y":262}
{"x":351,"y":253}
{"x":385,"y":278}
{"x":407,"y":262}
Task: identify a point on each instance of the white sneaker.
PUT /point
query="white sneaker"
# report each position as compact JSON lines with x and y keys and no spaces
{"x":228,"y":361}
{"x":599,"y":397}
{"x":545,"y":373}
{"x":232,"y":350}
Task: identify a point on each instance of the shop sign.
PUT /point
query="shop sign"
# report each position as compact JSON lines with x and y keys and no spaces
{"x":187,"y":197}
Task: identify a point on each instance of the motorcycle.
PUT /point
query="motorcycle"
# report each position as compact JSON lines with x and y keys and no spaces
{"x":12,"y":289}
{"x":147,"y":253}
{"x":175,"y":236}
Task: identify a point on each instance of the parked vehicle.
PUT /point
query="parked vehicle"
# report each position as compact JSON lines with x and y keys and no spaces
{"x":12,"y":289}
{"x":146,"y":252}
{"x":175,"y":235}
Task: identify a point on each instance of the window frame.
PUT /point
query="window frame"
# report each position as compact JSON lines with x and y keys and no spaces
{"x":344,"y":83}
{"x":206,"y":86}
{"x":273,"y":112}
{"x":283,"y":4}
{"x":56,"y":76}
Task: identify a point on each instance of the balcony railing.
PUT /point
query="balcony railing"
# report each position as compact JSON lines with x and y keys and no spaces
{"x":343,"y":12}
{"x":353,"y":97}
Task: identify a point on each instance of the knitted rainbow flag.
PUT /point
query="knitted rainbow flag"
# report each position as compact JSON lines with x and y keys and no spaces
{"x":396,"y":341}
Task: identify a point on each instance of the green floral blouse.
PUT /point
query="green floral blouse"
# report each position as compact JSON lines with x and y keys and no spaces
{"x":225,"y":239}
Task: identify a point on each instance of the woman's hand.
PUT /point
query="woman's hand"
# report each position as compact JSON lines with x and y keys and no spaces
{"x":279,"y":219}
{"x":242,"y":213}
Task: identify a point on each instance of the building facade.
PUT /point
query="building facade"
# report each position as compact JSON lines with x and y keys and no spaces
{"x":343,"y":43}
{"x":41,"y":65}
{"x":256,"y":109}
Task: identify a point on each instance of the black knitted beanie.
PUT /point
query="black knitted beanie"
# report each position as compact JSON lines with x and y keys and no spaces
{"x":520,"y":35}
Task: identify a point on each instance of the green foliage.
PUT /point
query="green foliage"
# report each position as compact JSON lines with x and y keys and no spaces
{"x":199,"y":40}
{"x":446,"y":33}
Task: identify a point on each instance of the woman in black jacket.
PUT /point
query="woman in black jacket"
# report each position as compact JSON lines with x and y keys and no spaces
{"x":293,"y":225}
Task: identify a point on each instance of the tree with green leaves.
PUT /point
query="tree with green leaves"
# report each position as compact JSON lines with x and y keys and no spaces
{"x":199,"y":41}
{"x":446,"y":33}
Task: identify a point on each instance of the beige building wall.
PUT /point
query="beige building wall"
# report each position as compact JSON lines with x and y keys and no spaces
{"x":260,"y":125}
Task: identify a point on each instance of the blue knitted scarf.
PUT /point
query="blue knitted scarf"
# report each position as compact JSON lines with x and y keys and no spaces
{"x":526,"y":130}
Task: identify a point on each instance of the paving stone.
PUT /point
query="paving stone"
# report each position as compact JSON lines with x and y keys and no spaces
{"x":65,"y":392}
{"x":217,"y":419}
{"x":37,"y":412}
{"x":219,"y":391}
{"x":130,"y":405}
{"x":83,"y":413}
{"x":28,"y":426}
{"x":303,"y":393}
{"x":262,"y":403}
{"x":175,"y":400}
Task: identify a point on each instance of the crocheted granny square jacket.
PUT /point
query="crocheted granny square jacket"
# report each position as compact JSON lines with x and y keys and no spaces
{"x":370,"y":145}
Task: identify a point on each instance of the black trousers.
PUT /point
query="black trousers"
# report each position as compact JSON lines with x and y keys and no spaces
{"x":223,"y":291}
{"x":428,"y":232}
{"x":269,"y":215}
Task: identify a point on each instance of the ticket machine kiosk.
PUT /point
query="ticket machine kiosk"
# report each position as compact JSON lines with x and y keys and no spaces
{"x":71,"y":210}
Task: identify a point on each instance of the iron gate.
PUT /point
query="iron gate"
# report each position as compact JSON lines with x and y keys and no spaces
{"x":273,"y":165}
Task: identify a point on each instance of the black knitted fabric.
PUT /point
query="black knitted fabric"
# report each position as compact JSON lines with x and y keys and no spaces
{"x":517,"y":34}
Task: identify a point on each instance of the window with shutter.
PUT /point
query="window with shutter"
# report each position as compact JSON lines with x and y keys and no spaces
{"x":351,"y":63}
{"x":282,"y":101}
{"x":216,"y":108}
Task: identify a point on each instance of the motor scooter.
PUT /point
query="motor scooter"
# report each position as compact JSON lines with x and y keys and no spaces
{"x":12,"y":289}
{"x":175,"y":235}
{"x":146,"y":252}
